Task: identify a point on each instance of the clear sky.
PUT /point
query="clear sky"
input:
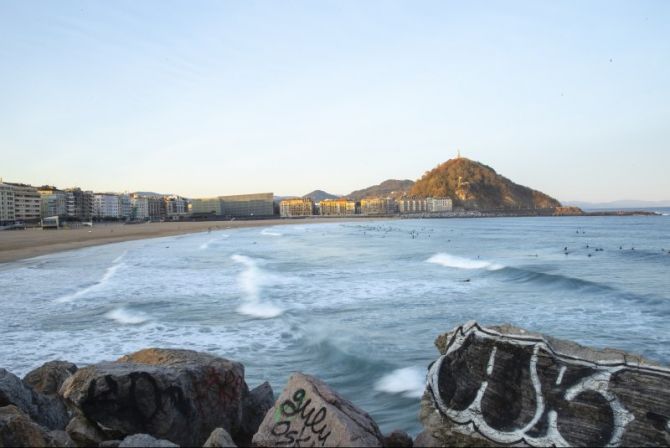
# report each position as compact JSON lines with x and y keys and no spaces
{"x":222,"y":97}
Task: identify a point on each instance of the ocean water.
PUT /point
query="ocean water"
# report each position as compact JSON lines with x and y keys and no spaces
{"x":357,"y":304}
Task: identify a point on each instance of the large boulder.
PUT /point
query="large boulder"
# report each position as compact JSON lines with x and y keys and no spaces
{"x":17,"y":429}
{"x":219,"y":438}
{"x":506,"y":386}
{"x":48,"y":411}
{"x":254,"y":408}
{"x":145,"y":440}
{"x":178,"y":395}
{"x":309,"y":413}
{"x":84,"y":432}
{"x":49,"y":377}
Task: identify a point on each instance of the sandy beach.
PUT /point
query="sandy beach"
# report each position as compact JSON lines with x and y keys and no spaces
{"x":21,"y":244}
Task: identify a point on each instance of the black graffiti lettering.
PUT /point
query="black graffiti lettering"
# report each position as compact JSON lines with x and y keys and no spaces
{"x":306,"y":424}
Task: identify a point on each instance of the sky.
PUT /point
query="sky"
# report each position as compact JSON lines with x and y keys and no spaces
{"x":207,"y":98}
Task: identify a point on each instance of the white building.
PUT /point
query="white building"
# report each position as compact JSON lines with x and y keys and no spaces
{"x":106,"y":206}
{"x":412,"y":205}
{"x":140,"y":208}
{"x":436,"y":205}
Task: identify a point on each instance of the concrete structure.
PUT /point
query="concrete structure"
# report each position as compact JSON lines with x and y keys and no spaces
{"x":289,"y":208}
{"x":106,"y":206}
{"x":176,"y":207}
{"x":50,"y":222}
{"x":378,"y":206}
{"x":206,"y":207}
{"x":436,"y":205}
{"x":6,"y":204}
{"x":248,"y":205}
{"x":139,"y":208}
{"x":412,"y":205}
{"x":337,"y":207}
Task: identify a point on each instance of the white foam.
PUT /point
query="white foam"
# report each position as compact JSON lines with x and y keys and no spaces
{"x":125,"y":317}
{"x":205,"y":246}
{"x":109,"y":273}
{"x":408,"y":381}
{"x":453,"y":261}
{"x":251,"y":282}
{"x":268,"y":232}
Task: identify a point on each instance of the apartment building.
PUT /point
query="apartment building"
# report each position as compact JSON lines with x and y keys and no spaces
{"x":337,"y":207}
{"x":248,"y":205}
{"x":157,"y":210}
{"x":206,"y":207}
{"x":378,"y":206}
{"x":79,"y":204}
{"x":139,"y":207}
{"x":27,"y":202}
{"x":412,"y":205}
{"x":106,"y":206}
{"x":176,"y":207}
{"x":6,"y":204}
{"x":53,"y":202}
{"x":289,"y":208}
{"x":436,"y":205}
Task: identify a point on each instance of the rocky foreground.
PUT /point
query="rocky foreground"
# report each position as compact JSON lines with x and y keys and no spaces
{"x":490,"y":386}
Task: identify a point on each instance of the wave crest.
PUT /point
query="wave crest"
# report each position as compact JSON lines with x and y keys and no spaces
{"x":453,"y":261}
{"x":408,"y":381}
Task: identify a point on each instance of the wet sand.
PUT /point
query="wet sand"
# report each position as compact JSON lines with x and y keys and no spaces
{"x":21,"y":244}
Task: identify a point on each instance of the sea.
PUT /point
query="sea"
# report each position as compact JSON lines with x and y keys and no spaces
{"x":358,"y":304}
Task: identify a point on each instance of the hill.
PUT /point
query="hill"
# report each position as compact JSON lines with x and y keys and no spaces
{"x":320,"y":195}
{"x":389,"y":188}
{"x":474,"y":185}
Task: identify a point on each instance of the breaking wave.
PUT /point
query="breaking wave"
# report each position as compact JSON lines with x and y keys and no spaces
{"x":109,"y":273}
{"x":453,"y":261}
{"x":408,"y":381}
{"x":126,"y":317}
{"x":251,"y":281}
{"x":268,"y":232}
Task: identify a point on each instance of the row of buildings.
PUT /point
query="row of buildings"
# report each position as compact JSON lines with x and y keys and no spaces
{"x":28,"y":204}
{"x":21,"y":203}
{"x":370,"y":206}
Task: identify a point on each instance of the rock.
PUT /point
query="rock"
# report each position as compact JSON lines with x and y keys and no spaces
{"x":48,"y":411}
{"x":109,"y":444}
{"x":254,"y":408}
{"x":58,"y":438}
{"x":308,"y":412}
{"x":84,"y":432}
{"x":219,"y":438}
{"x":17,"y":429}
{"x":179,"y":395}
{"x":425,"y":439}
{"x":398,"y":439}
{"x":504,"y":385}
{"x":48,"y":378}
{"x":144,"y":440}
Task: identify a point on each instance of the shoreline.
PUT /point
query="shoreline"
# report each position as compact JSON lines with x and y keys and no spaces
{"x":16,"y":245}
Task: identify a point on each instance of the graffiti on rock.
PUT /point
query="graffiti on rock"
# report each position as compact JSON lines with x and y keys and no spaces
{"x":299,"y":423}
{"x":517,"y":388}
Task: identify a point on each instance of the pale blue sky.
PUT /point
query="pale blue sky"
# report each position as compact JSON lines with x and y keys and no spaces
{"x":204,"y":98}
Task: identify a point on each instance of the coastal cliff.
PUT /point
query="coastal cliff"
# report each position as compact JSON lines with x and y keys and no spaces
{"x":492,"y":386}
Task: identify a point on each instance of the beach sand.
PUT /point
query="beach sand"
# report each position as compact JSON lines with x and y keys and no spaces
{"x":20,"y":244}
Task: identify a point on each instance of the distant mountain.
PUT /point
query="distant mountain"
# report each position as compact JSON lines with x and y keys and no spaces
{"x":474,"y":185}
{"x":389,"y":188}
{"x":625,"y":203}
{"x":320,"y":195}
